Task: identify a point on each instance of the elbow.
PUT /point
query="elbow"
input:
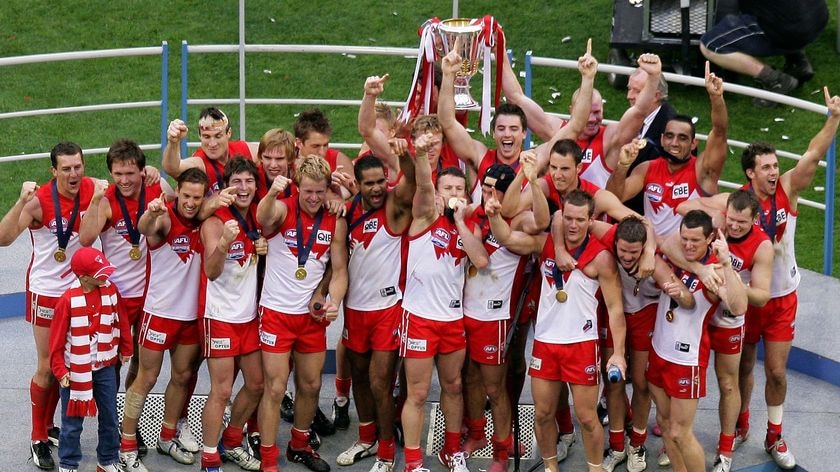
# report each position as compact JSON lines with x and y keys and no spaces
{"x":760,"y":299}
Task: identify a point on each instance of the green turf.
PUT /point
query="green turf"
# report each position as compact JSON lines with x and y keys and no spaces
{"x":42,"y":27}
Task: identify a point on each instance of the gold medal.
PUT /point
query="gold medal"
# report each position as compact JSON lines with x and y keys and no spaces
{"x":59,"y":255}
{"x":300,"y":273}
{"x":561,"y":296}
{"x":134,"y":252}
{"x":669,"y":316}
{"x":472,"y":271}
{"x":636,"y":287}
{"x":253,"y":258}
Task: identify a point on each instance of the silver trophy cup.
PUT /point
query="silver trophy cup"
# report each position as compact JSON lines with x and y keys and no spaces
{"x":460,"y":34}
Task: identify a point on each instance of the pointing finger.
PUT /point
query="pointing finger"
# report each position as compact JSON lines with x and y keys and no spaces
{"x":827,"y":95}
{"x":589,"y":47}
{"x":708,"y":69}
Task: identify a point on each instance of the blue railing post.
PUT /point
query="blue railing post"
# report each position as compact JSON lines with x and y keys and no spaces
{"x":528,"y":85}
{"x":828,"y":223}
{"x":184,"y":54}
{"x":164,"y":95}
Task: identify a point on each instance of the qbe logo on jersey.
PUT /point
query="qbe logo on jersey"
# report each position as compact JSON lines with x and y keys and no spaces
{"x":371,"y":225}
{"x":680,"y":191}
{"x":587,"y":157}
{"x":653,"y":192}
{"x":324,"y":236}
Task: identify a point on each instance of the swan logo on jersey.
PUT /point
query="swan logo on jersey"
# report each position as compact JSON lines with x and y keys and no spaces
{"x":680,"y":191}
{"x":587,"y":326}
{"x":53,"y":226}
{"x":371,"y":225}
{"x":236,"y":251}
{"x":181,"y":244}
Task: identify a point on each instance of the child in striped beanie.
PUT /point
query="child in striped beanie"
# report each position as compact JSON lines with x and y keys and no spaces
{"x":88,"y":337}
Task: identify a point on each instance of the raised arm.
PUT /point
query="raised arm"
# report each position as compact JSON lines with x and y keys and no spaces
{"x":171,"y":160}
{"x":270,"y":211}
{"x":710,"y":162}
{"x":155,"y":222}
{"x":21,"y":215}
{"x":376,"y":140}
{"x":541,"y":217}
{"x":466,"y":148}
{"x":620,"y":184}
{"x":423,"y":209}
{"x":96,"y":216}
{"x":471,"y":238}
{"x":671,"y":247}
{"x":800,"y":177}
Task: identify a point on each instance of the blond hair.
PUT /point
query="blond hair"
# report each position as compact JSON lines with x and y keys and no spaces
{"x":277,"y":138}
{"x":314,"y":167}
{"x":426,"y":124}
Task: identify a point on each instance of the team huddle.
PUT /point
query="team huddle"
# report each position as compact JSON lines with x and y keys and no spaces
{"x":434,"y":252}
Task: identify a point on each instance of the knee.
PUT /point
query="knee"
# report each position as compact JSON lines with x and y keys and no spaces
{"x":309,"y":385}
{"x":640,"y":389}
{"x":181,"y":378}
{"x":588,"y":420}
{"x":417,"y":394}
{"x":777,"y":375}
{"x":705,"y":51}
{"x":379,"y":386}
{"x":254,"y":387}
{"x":452,"y":386}
{"x":221,"y":392}
{"x":494,"y":390}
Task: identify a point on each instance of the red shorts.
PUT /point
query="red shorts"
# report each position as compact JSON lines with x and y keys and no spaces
{"x":40,"y":309}
{"x":378,"y":330}
{"x":222,"y":339}
{"x":773,"y":322}
{"x":726,"y":340}
{"x":576,"y":363}
{"x":133,"y":309}
{"x":639,"y":329}
{"x":421,"y":338}
{"x":161,"y":334}
{"x":280,"y":333}
{"x":678,"y":381}
{"x":486,"y":340}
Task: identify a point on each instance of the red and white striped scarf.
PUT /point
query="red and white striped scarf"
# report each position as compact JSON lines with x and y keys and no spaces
{"x":77,"y":353}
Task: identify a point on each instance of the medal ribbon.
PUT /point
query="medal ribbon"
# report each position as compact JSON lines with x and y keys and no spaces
{"x":249,"y":226}
{"x":558,"y":276}
{"x":353,"y":223}
{"x":303,"y":251}
{"x":219,"y":179}
{"x":61,"y":235}
{"x":690,"y":280}
{"x":133,"y":232}
{"x":769,"y":225}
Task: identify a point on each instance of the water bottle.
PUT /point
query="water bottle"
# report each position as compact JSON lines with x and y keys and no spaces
{"x":613,"y":374}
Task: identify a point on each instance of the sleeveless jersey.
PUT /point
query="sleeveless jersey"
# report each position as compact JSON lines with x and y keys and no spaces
{"x":130,"y":276}
{"x":786,"y":276}
{"x":488,"y":292}
{"x":554,"y":195}
{"x":281,"y":290}
{"x":575,"y":320}
{"x":215,"y":170}
{"x":665,"y":190}
{"x":263,"y":184}
{"x":44,"y":275}
{"x":741,"y":253}
{"x":593,"y":166}
{"x":232,"y":297}
{"x":375,"y":262}
{"x":174,"y":267}
{"x":684,"y":340}
{"x":435,"y":268}
{"x":648,"y":290}
{"x":489,"y":158}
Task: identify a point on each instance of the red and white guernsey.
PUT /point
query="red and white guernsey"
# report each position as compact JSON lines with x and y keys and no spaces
{"x":215,"y":170}
{"x":435,"y":268}
{"x":281,"y":290}
{"x":375,"y":262}
{"x":488,"y":160}
{"x":554,"y":195}
{"x":174,"y":267}
{"x":741,"y":253}
{"x":130,"y":276}
{"x":682,"y":338}
{"x":576,"y":319}
{"x":232,"y":297}
{"x":488,"y":292}
{"x":593,"y":166}
{"x":43,"y":276}
{"x":648,"y":292}
{"x":665,"y":190}
{"x":786,"y":274}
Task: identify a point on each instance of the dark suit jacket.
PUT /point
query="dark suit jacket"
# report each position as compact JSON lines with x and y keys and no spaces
{"x":654,"y":132}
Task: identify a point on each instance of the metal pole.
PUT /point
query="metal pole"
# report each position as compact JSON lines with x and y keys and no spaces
{"x":184,"y":54}
{"x":164,"y":94}
{"x":455,"y":8}
{"x":528,"y":85}
{"x":828,"y":216}
{"x":242,"y":134}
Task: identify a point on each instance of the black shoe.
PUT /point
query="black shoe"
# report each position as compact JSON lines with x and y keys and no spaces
{"x":602,"y":412}
{"x":314,"y":440}
{"x":53,"y":434}
{"x":254,"y":442}
{"x":310,"y":459}
{"x":774,"y":81}
{"x":41,"y":455}
{"x":341,"y":415}
{"x":322,"y":425}
{"x":799,"y":66}
{"x":142,"y":449}
{"x":287,"y":408}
